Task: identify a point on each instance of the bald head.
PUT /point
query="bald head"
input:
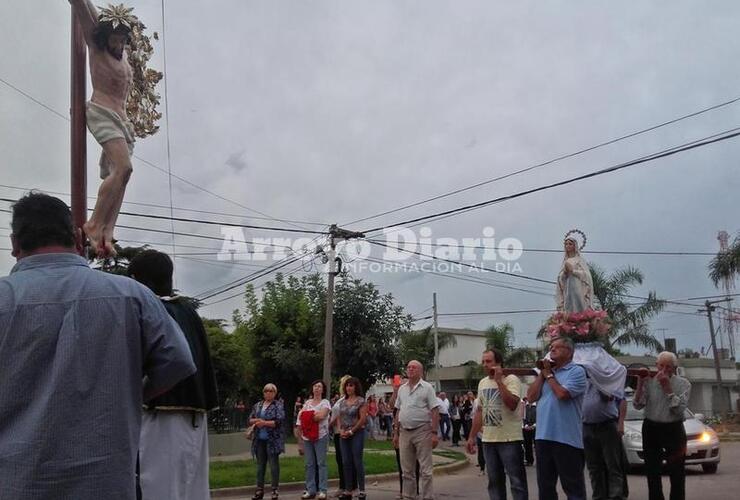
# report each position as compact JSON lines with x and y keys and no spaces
{"x":414,"y":371}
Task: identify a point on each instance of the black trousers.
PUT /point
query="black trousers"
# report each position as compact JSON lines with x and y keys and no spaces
{"x":665,"y":441}
{"x":559,"y":460}
{"x":456,"y":424}
{"x":606,"y":461}
{"x":400,"y":473}
{"x":528,"y":445}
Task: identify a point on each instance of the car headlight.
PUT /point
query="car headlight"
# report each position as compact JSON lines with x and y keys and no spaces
{"x":633,"y":437}
{"x":707,"y":436}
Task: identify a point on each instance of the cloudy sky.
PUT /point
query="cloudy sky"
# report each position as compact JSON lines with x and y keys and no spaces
{"x":327,"y":112}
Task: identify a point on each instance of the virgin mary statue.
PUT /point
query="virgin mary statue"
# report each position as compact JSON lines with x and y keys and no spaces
{"x":574,"y":294}
{"x":575,"y":286}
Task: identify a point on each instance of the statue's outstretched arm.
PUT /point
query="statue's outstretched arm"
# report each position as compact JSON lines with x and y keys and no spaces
{"x":87,"y":14}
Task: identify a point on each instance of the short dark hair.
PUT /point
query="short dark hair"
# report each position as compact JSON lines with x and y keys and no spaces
{"x":41,"y":220}
{"x":103,"y":31}
{"x":355,"y":382}
{"x":497,"y":356}
{"x":323,"y":388}
{"x":153,"y":269}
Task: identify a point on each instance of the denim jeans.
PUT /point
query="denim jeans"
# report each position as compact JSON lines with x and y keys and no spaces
{"x":263,"y":457}
{"x":505,"y":459}
{"x":315,"y":458}
{"x":352,"y":449}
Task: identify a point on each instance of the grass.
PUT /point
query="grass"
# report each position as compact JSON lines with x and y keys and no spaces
{"x":244,"y":472}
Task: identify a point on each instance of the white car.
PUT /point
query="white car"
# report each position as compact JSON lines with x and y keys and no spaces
{"x":702,"y":442}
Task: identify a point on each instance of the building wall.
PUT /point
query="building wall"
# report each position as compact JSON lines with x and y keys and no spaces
{"x":469,"y":348}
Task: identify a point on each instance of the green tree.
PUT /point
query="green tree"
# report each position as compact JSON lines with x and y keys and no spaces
{"x":367,"y":327}
{"x":284,"y":332}
{"x":419,"y":345}
{"x":230,"y":360}
{"x":726,"y":264}
{"x":629,"y":320}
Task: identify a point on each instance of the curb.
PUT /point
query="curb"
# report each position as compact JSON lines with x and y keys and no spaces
{"x":298,"y":486}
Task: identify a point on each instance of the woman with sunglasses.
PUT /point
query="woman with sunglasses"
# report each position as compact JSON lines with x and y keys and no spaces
{"x":267,"y":417}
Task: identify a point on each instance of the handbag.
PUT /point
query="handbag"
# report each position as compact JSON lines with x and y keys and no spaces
{"x":249,"y":433}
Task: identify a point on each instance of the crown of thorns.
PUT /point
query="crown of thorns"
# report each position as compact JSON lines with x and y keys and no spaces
{"x":118,"y":15}
{"x":579,"y":232}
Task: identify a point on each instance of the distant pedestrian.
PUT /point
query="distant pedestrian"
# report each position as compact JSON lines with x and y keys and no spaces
{"x":467,"y":413}
{"x":529,"y":424}
{"x":268,"y":443}
{"x":373,"y":423}
{"x":455,"y":410}
{"x":313,"y":437}
{"x":444,"y":416}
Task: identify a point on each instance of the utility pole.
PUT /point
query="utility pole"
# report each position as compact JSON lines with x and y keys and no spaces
{"x":435,"y":331}
{"x":78,"y":137}
{"x":709,"y":308}
{"x":335,"y":234}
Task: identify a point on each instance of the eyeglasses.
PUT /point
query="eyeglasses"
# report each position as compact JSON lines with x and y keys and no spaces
{"x":268,"y":390}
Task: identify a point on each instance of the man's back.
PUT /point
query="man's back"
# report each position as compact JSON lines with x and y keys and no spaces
{"x":73,"y":342}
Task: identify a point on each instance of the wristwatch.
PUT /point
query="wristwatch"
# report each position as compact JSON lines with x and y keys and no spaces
{"x":351,"y":433}
{"x":549,"y":377}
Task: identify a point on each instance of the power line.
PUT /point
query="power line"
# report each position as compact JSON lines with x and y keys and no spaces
{"x":150,"y":164}
{"x":722,"y":136}
{"x":554,"y":250}
{"x":209,"y":222}
{"x":548,"y":162}
{"x":493,"y":313}
{"x":154,"y":205}
{"x":167,"y":126}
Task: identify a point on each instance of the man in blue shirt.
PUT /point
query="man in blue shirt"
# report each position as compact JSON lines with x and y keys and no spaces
{"x":75,"y":345}
{"x":558,"y":390}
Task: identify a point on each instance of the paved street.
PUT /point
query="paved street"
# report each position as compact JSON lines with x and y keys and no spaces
{"x":467,"y":484}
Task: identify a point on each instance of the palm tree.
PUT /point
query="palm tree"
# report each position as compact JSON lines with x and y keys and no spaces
{"x":629,"y":321}
{"x":500,"y":338}
{"x":726,"y":264}
{"x":419,"y":345}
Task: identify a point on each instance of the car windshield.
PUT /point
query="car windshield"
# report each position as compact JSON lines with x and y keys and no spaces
{"x":634,"y":414}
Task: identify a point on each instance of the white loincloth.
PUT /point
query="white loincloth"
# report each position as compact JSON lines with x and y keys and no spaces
{"x":105,"y":124}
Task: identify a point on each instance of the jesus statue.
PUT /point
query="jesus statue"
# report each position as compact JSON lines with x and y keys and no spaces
{"x":107,"y":36}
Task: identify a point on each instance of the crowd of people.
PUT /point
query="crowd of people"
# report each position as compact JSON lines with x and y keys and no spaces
{"x":77,"y":344}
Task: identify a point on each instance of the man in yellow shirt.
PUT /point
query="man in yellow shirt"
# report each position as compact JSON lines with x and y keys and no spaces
{"x":496,"y":413}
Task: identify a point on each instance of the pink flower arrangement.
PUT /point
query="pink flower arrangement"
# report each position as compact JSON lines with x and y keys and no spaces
{"x":585,"y":326}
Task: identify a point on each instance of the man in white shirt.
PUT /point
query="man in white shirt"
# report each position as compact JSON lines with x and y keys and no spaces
{"x":415,"y":432}
{"x":444,"y":416}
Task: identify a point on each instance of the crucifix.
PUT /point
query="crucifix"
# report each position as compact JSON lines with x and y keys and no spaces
{"x":121,"y":108}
